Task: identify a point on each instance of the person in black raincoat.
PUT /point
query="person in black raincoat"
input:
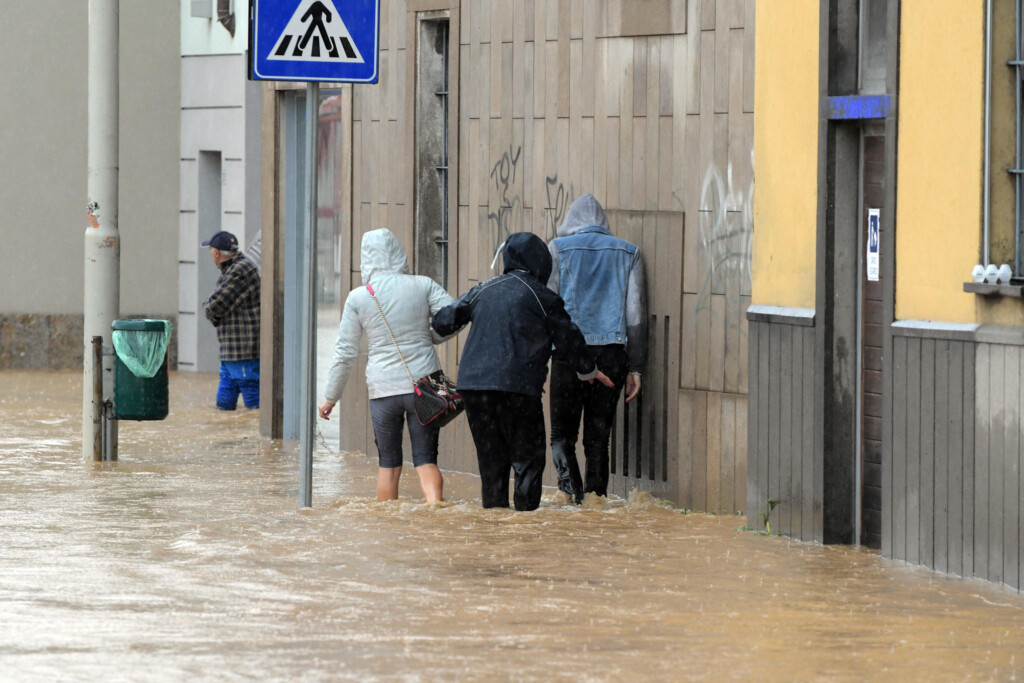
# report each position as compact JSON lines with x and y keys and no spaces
{"x":516,"y":320}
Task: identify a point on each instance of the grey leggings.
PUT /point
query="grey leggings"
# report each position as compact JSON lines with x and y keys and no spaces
{"x":388,"y":414}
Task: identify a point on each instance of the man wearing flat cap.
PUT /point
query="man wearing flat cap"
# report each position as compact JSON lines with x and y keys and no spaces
{"x":234,"y":309}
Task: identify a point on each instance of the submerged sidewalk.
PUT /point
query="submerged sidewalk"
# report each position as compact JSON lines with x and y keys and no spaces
{"x":189,"y":558}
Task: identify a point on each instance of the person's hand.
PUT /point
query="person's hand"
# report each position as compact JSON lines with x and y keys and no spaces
{"x":325,"y":409}
{"x":603,"y":379}
{"x":632,"y":386}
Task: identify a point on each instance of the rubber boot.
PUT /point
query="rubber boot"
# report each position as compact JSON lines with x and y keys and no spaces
{"x":570,"y":481}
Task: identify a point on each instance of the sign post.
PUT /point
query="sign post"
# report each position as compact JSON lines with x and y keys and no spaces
{"x":310,"y":40}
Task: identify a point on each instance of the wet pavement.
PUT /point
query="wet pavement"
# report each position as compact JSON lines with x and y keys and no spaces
{"x":190,"y":559}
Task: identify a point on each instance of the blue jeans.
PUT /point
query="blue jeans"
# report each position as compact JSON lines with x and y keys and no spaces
{"x":239,"y":376}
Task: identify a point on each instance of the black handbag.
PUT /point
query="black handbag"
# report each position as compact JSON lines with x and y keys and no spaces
{"x":438,"y":400}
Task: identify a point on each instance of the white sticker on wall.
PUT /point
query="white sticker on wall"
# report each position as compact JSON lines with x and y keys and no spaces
{"x":872,"y":242}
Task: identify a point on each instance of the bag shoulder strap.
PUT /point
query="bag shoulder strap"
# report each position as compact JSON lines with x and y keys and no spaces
{"x":390,"y":334}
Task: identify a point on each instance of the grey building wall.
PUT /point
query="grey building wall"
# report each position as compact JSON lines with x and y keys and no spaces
{"x":784,"y":474}
{"x":953,"y":487}
{"x":43,"y":150}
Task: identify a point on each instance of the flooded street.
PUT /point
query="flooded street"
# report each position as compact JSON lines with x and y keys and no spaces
{"x":189,"y":558}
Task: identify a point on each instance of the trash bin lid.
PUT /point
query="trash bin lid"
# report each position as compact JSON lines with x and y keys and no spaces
{"x":139,"y":325}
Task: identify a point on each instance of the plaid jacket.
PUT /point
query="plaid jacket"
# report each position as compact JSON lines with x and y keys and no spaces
{"x":234,"y":309}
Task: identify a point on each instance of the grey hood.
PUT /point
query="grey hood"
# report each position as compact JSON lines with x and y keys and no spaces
{"x":584,"y":213}
{"x":381,"y":253}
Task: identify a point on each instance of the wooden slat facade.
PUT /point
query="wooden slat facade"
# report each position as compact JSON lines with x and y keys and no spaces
{"x":652,"y":112}
{"x":780,"y":431}
{"x":953,"y":489}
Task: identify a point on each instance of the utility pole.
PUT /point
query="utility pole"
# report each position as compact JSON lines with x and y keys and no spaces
{"x":102,"y":240}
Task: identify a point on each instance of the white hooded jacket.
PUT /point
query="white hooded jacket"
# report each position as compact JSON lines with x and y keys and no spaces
{"x":409,"y":301}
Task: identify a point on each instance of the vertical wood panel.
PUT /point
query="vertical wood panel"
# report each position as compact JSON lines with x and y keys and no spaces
{"x":716,"y":344}
{"x":753,"y":445}
{"x":898,"y":503}
{"x":728,"y":458}
{"x":913,"y":484}
{"x":740,"y":478}
{"x":666,"y":132}
{"x":785,"y":424}
{"x":577,"y":70}
{"x":714,"y":470}
{"x":796,"y":467}
{"x":666,"y":96}
{"x":981,"y":450}
{"x":722,"y":71}
{"x":996,"y":451}
{"x":638,"y":172}
{"x":688,"y":343}
{"x":1011,"y":456}
{"x":1019,"y":541}
{"x":927,"y":493}
{"x":774,"y":416}
{"x":744,"y":346}
{"x":589,"y":52}
{"x":685,"y":449}
{"x":942,"y":436}
{"x":764,"y":417}
{"x":810,"y":524}
{"x":689,"y":188}
{"x":970,"y":436}
{"x":698,"y":441}
{"x":749,"y":34}
{"x":955,"y":454}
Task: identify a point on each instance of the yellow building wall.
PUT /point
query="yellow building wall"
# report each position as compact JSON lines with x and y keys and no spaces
{"x":939,"y":162}
{"x":785,"y":153}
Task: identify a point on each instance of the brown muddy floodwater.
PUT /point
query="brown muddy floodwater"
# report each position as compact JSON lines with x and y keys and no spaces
{"x":189,"y":559}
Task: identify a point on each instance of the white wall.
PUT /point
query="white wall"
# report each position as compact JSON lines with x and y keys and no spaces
{"x":218,"y":114}
{"x":207,"y":37}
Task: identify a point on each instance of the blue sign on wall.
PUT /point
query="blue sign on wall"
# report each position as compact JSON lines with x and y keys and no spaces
{"x":310,"y":40}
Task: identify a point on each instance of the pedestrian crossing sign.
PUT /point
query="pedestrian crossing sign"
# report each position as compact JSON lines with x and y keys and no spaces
{"x":310,"y":40}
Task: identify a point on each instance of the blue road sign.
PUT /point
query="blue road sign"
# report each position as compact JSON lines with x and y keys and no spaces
{"x":310,"y":40}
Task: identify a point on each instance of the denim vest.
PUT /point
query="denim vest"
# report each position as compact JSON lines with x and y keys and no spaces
{"x":593,"y":272}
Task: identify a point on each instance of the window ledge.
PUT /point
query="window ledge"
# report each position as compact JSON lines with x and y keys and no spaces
{"x":1015,"y":291}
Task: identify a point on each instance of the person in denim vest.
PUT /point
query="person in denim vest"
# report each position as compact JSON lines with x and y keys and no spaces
{"x":601,"y":280}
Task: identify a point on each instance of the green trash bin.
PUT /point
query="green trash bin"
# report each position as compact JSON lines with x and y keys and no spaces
{"x":140,"y":369}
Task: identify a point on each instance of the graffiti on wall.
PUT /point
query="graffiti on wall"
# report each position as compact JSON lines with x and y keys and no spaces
{"x":558,"y":200}
{"x":507,"y":216}
{"x":726,"y":231}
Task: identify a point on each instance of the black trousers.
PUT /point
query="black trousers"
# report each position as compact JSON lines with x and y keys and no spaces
{"x":508,"y":431}
{"x":571,"y":399}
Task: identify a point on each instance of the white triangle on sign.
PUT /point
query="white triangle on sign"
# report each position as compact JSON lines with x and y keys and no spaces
{"x":316,"y":33}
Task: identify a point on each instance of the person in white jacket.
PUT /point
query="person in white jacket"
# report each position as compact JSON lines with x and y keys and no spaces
{"x":408,"y":301}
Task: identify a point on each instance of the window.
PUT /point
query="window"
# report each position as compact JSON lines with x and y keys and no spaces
{"x":431,"y":188}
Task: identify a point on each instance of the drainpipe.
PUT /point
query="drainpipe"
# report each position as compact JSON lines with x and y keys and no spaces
{"x":987,"y":188}
{"x":102,"y":241}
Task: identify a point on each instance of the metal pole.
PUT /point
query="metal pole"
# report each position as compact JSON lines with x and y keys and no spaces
{"x":308,"y":314}
{"x":96,"y":405}
{"x":102,"y":241}
{"x":987,"y":154}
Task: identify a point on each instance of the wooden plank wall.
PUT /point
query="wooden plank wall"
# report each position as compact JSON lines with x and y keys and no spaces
{"x":645,"y":449}
{"x":781,"y":433}
{"x":650,"y":111}
{"x":946,"y":439}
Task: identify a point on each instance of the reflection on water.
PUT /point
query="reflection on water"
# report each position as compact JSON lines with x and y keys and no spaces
{"x":190,"y":558}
